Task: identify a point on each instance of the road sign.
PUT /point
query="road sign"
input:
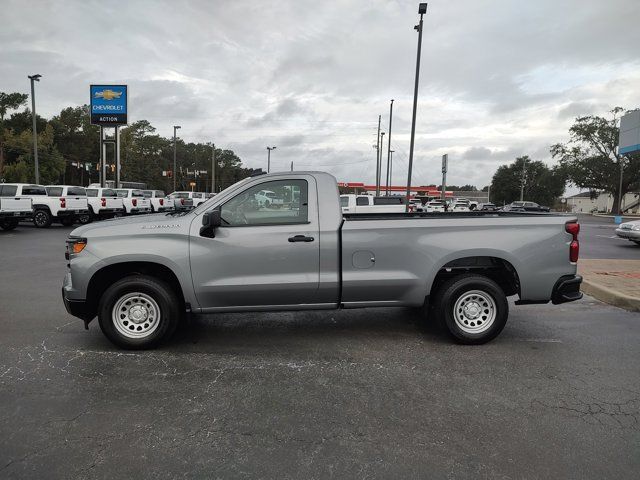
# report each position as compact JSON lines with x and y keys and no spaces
{"x":629,"y":140}
{"x":108,"y":105}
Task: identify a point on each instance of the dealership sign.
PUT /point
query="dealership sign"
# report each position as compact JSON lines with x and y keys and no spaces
{"x":108,"y":105}
{"x":629,"y":141}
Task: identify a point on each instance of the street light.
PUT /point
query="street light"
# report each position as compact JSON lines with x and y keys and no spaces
{"x":175,"y":127}
{"x":391,"y":152}
{"x":422,"y":9}
{"x":389,"y":144}
{"x":269,"y":157}
{"x":35,"y":78}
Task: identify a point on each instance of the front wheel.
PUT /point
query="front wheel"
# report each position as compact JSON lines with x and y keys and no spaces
{"x":138,"y":312}
{"x":473,"y":308}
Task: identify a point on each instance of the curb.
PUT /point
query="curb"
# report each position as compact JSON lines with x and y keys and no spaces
{"x":610,"y":296}
{"x":607,"y":215}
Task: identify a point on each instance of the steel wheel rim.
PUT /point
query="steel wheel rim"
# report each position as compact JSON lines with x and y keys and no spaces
{"x":136,"y":315}
{"x":475,"y":311}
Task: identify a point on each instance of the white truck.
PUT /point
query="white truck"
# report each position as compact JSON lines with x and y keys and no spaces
{"x":74,"y":199}
{"x":351,"y":203}
{"x":13,"y":208}
{"x":47,"y":209}
{"x":186,"y":199}
{"x":159,"y":201}
{"x":134,"y":201}
{"x":104,"y":203}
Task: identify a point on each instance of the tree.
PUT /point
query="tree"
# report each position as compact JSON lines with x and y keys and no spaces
{"x":8,"y":101}
{"x":542,"y":184}
{"x":22,"y":169}
{"x":590,"y":159}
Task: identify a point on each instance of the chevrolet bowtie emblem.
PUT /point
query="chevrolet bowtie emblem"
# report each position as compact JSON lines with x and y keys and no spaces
{"x":108,"y":94}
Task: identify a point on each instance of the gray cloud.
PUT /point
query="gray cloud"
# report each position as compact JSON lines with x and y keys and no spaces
{"x":499,"y":79}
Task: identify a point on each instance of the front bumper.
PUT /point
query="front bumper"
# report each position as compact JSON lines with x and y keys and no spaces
{"x":77,"y":307}
{"x":567,"y":289}
{"x":628,"y":234}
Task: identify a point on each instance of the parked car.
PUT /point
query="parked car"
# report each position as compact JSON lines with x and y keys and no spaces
{"x":13,"y":208}
{"x":134,"y":201}
{"x":159,"y":201}
{"x":416,"y":205}
{"x":269,"y":199}
{"x":46,"y":209}
{"x":435,"y":206}
{"x":525,"y":207}
{"x":224,"y":256}
{"x":630,"y":231}
{"x":487,"y":207}
{"x":460,"y":207}
{"x":104,"y":203}
{"x":351,"y":203}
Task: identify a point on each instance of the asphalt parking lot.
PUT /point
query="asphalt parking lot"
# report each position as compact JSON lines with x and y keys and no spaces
{"x":347,"y":394}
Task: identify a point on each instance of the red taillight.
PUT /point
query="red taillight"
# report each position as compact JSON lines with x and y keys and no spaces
{"x":63,"y":202}
{"x":161,"y":201}
{"x":182,"y":201}
{"x":134,"y":202}
{"x":104,"y":202}
{"x":574,"y":247}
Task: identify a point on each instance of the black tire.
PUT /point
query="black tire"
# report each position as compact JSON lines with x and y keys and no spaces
{"x":85,"y":218}
{"x":163,"y":296}
{"x":483,"y":296}
{"x":8,"y":224}
{"x":42,"y":218}
{"x":267,"y":203}
{"x":68,"y":221}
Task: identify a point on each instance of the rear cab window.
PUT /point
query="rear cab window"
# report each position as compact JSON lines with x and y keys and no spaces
{"x":76,"y":191}
{"x":137,"y":193}
{"x":344,"y":201}
{"x":107,"y":192}
{"x":34,"y":190}
{"x":54,"y":191}
{"x":92,"y":192}
{"x":122,"y":193}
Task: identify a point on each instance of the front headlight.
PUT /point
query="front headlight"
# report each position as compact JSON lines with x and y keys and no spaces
{"x":636,"y":227}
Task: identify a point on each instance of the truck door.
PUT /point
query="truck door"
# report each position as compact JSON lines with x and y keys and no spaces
{"x":261,"y":255}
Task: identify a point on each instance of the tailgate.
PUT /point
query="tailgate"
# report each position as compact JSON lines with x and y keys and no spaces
{"x":144,"y":203}
{"x":8,"y":204}
{"x":114,"y":203}
{"x":75,"y":203}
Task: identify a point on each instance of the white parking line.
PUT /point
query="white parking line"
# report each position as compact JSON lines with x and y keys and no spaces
{"x":611,"y":236}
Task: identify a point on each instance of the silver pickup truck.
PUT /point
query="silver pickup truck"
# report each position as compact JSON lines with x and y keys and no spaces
{"x":141,"y":275}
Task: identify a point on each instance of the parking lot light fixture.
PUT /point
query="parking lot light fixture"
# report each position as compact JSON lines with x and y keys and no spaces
{"x":35,"y":78}
{"x":175,"y":127}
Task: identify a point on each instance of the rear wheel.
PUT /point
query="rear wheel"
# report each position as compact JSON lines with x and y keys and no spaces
{"x":8,"y":224}
{"x":473,"y":308}
{"x":138,"y":312}
{"x":42,"y":219}
{"x":85,"y":218}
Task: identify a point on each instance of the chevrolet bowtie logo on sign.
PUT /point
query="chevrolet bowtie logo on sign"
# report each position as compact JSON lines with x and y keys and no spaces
{"x":108,"y":105}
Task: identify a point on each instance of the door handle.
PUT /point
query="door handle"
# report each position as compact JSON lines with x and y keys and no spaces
{"x":301,"y":238}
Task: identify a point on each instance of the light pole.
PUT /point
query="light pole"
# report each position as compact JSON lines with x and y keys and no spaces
{"x":524,"y":163}
{"x":389,"y":144}
{"x":269,"y":158}
{"x":422,"y":9}
{"x":391,"y":152}
{"x":175,"y":173}
{"x":377,"y":147}
{"x":380,"y":161}
{"x":213,"y":167}
{"x":35,"y":78}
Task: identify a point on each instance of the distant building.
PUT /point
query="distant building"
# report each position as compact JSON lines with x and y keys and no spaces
{"x":602,"y":203}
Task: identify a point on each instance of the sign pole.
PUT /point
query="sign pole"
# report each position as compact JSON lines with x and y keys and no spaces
{"x":103,"y":159}
{"x":117,"y":145}
{"x":445,"y":167}
{"x":213,"y":168}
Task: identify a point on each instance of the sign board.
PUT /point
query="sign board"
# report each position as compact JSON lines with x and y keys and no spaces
{"x":629,"y":140}
{"x":108,"y":105}
{"x":445,"y":162}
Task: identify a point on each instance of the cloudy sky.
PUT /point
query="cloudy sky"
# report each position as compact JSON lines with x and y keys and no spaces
{"x":499,"y":78}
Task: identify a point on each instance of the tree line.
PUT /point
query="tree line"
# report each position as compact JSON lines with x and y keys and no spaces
{"x":588,"y":160}
{"x":69,"y":152}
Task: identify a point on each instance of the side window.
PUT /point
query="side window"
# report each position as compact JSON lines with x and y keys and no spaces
{"x":92,"y":192}
{"x":289,"y":205}
{"x":8,"y":190}
{"x":360,"y":201}
{"x":54,"y":191}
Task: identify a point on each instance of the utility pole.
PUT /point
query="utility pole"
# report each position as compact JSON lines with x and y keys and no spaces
{"x":35,"y":78}
{"x":175,"y":173}
{"x":422,"y":9}
{"x":524,"y":163}
{"x":489,"y":194}
{"x":213,"y":167}
{"x":378,"y":158}
{"x":269,"y":158}
{"x":389,"y":144}
{"x":292,"y":165}
{"x":380,"y":162}
{"x":445,"y":167}
{"x":620,"y":186}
